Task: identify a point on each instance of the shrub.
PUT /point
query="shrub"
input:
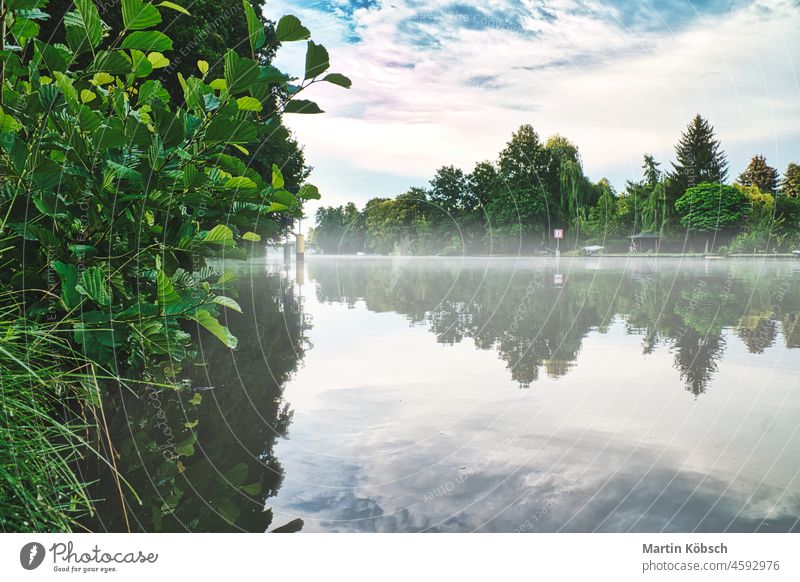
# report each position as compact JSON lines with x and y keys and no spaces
{"x":711,"y":207}
{"x":115,"y":198}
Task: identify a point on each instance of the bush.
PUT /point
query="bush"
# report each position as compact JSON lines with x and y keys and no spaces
{"x":116,"y":197}
{"x":711,"y":207}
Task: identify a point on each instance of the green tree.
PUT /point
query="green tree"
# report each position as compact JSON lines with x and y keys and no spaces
{"x":759,"y":174}
{"x":522,"y":206}
{"x":603,"y":221}
{"x":450,"y":193}
{"x":790,"y":184}
{"x":483,"y":183}
{"x":710,"y":207}
{"x":699,"y":157}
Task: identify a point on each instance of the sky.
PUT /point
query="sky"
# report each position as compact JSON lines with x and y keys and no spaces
{"x":440,"y":82}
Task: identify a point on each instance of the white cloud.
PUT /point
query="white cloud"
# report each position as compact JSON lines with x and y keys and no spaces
{"x":614,"y":91}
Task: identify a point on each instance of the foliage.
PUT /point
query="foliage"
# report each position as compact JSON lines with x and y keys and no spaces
{"x":118,"y":197}
{"x":698,"y":156}
{"x":604,"y":219}
{"x":759,"y":174}
{"x":790,"y":184}
{"x":43,"y":419}
{"x":712,"y":207}
{"x":510,"y":206}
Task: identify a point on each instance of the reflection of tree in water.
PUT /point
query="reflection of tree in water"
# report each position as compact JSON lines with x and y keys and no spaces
{"x":222,"y":481}
{"x":758,"y":333}
{"x":696,"y":358}
{"x":534,"y":325}
{"x":791,"y":330}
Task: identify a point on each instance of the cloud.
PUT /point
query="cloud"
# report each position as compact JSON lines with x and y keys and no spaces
{"x":441,"y":82}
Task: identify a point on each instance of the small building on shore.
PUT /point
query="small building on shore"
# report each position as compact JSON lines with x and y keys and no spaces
{"x":644,"y":242}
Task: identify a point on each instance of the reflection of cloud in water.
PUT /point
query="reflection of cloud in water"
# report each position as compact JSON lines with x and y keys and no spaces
{"x":598,"y":485}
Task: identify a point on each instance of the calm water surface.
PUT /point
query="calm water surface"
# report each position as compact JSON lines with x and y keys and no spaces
{"x":398,"y":395}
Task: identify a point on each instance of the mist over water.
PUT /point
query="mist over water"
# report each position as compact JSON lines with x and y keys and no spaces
{"x":499,"y":394}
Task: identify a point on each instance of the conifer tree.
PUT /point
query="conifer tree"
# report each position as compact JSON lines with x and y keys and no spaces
{"x":790,"y":185}
{"x":699,"y":157}
{"x":759,"y":174}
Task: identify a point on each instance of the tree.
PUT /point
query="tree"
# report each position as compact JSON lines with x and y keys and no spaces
{"x":698,"y":156}
{"x":450,"y":193}
{"x":790,"y":185}
{"x":523,"y":204}
{"x":652,"y":175}
{"x":483,"y":183}
{"x":759,"y":174}
{"x":640,"y":207}
{"x":711,"y":207}
{"x":603,"y":221}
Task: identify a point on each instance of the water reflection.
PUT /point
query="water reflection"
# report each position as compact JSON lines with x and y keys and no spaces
{"x":406,"y":414}
{"x":408,"y":417}
{"x":536,"y":325}
{"x":222,"y":480}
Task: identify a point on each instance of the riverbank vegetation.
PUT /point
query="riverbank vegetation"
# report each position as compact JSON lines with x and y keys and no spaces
{"x":129,"y":164}
{"x":512,"y":205}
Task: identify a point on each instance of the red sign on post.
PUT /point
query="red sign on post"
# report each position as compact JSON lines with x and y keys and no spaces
{"x":558,"y":233}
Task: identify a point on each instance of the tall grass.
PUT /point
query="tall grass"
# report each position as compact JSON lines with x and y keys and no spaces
{"x":49,"y":396}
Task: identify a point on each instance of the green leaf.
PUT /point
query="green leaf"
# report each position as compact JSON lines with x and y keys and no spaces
{"x":186,"y":446}
{"x":302,"y":106}
{"x":220,"y":234}
{"x":113,"y":62}
{"x":68,"y":273}
{"x":136,"y":15}
{"x":317,"y":60}
{"x":240,"y":73}
{"x":227,"y":130}
{"x":87,"y":96}
{"x":8,"y":123}
{"x":150,"y":40}
{"x":88,"y":120}
{"x":166,"y":290}
{"x":289,"y":29}
{"x":252,"y":488}
{"x":208,"y":321}
{"x":284,"y":197}
{"x":308,"y":192}
{"x":338,"y":79}
{"x":89,"y":22}
{"x":158,"y":60}
{"x":93,"y":285}
{"x":227,"y":302}
{"x":191,"y":425}
{"x":142,"y":66}
{"x":173,"y":6}
{"x":196,"y":399}
{"x":249,"y":103}
{"x":251,"y":236}
{"x":202,"y":66}
{"x":227,"y":276}
{"x":241,"y":183}
{"x":277,"y":177}
{"x":237,"y":474}
{"x":255,"y":28}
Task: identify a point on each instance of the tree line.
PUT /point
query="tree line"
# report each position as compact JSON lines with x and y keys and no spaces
{"x":514,"y":203}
